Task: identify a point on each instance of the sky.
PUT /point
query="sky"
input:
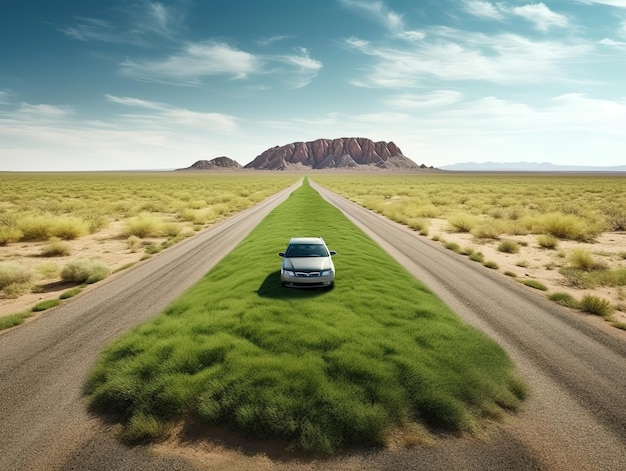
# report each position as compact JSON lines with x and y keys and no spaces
{"x":138,"y":85}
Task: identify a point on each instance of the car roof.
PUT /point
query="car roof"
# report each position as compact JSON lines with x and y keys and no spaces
{"x":306,"y":240}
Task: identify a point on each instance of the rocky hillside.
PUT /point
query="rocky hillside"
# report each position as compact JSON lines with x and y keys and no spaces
{"x":218,"y":163}
{"x":345,"y":152}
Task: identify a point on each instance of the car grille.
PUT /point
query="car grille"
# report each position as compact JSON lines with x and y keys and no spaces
{"x":308,"y":274}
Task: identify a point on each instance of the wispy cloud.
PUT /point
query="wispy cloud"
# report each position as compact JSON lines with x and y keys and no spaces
{"x":43,"y":111}
{"x":392,"y":21}
{"x":273,"y":39}
{"x":138,"y":22}
{"x":173,"y":116}
{"x":482,"y":9}
{"x":436,"y":99}
{"x":456,"y":55}
{"x":195,"y":61}
{"x":613,"y":3}
{"x":301,"y":68}
{"x":541,"y":16}
{"x":4,"y":97}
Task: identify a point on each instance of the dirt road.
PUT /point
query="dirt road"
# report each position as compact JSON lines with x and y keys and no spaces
{"x":575,"y":417}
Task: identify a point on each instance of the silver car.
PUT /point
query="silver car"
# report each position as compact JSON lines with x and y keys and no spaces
{"x":307,"y":263}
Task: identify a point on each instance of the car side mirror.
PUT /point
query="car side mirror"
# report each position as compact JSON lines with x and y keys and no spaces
{"x":281,"y":254}
{"x":332,"y":252}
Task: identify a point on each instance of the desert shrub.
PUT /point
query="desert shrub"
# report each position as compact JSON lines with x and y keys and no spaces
{"x":491,"y":264}
{"x":568,"y":226}
{"x":56,"y":248}
{"x":95,"y":222}
{"x":143,"y":225}
{"x":577,"y":278}
{"x":133,"y":243}
{"x":48,"y":270}
{"x":11,"y":273}
{"x":510,"y":273}
{"x":47,"y":304}
{"x":488,"y":230}
{"x":508,"y":246}
{"x":171,"y":229}
{"x":596,"y":305}
{"x":615,"y":217}
{"x":427,"y":211}
{"x":9,"y":234}
{"x":547,"y":241}
{"x":418,"y":224}
{"x":463,"y":222}
{"x":85,"y":271}
{"x":35,"y":227}
{"x":453,"y":246}
{"x":535,"y":284}
{"x":564,"y":299}
{"x":6,"y":322}
{"x":477,"y":257}
{"x":468,"y":250}
{"x":68,"y":228}
{"x":584,"y":260}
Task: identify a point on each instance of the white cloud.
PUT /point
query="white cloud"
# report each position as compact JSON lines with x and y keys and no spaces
{"x":621,"y":45}
{"x":542,"y":17}
{"x":483,"y":10}
{"x":455,"y":55}
{"x":43,"y":111}
{"x":301,"y":70}
{"x":613,"y":3}
{"x":195,"y":61}
{"x":436,"y":99}
{"x":392,"y":21}
{"x":138,"y":22}
{"x":273,"y":39}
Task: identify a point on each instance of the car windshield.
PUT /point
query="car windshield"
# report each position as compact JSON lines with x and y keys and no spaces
{"x":306,"y":250}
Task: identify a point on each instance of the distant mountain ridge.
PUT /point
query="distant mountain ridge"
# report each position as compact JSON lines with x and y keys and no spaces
{"x":528,"y":167}
{"x":345,"y":152}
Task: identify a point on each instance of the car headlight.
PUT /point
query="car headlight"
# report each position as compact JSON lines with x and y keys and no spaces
{"x":288,"y":273}
{"x":327,"y":272}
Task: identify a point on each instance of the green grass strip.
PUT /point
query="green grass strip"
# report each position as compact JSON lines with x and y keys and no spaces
{"x":321,"y":370}
{"x":6,"y":322}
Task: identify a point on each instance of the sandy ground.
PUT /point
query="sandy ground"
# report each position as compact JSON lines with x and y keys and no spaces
{"x":532,"y":261}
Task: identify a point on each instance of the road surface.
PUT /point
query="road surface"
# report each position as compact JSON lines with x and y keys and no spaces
{"x":575,"y":417}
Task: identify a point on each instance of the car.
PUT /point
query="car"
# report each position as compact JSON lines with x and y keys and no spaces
{"x":307,"y":263}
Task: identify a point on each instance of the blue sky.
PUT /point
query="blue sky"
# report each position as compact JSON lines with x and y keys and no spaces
{"x":108,"y":85}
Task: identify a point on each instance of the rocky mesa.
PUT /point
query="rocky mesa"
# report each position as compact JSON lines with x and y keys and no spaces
{"x":345,"y":152}
{"x":217,"y":163}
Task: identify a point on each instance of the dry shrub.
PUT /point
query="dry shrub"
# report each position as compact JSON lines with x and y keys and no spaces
{"x":143,"y":225}
{"x":14,"y":276}
{"x":508,"y":246}
{"x":463,"y":222}
{"x":56,"y":248}
{"x":9,"y":235}
{"x":85,"y":271}
{"x":547,"y":241}
{"x":584,"y":260}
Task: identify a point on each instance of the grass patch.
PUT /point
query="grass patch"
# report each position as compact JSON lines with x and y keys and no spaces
{"x":491,"y":264}
{"x":13,"y":275}
{"x":564,"y":299}
{"x":477,"y":257}
{"x":70,"y":293}
{"x":56,"y":248}
{"x":547,"y":241}
{"x":582,"y":259}
{"x":6,"y":322}
{"x":320,"y":370}
{"x":453,"y":246}
{"x":535,"y":284}
{"x":44,"y":305}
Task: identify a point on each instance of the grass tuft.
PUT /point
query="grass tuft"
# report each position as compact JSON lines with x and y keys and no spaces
{"x":547,"y":241}
{"x":596,"y":305}
{"x":535,"y":284}
{"x":12,"y":320}
{"x":582,"y":259}
{"x":564,"y":299}
{"x":56,"y":248}
{"x":44,"y":305}
{"x":12,"y":273}
{"x":509,"y":246}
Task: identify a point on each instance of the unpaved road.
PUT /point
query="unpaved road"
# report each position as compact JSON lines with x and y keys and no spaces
{"x":575,"y":418}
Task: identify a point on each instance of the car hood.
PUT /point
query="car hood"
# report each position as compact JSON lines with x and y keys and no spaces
{"x":308,"y":263}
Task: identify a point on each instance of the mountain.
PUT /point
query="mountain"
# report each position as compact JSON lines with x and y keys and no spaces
{"x":218,"y":163}
{"x":345,"y":153}
{"x":528,"y":167}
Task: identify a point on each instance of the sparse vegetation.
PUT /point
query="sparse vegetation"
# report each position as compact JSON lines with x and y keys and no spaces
{"x":509,"y":246}
{"x":535,"y":284}
{"x":47,"y":304}
{"x":14,"y":277}
{"x":547,"y":241}
{"x":582,"y":259}
{"x":491,"y":264}
{"x":12,"y":320}
{"x":565,"y":299}
{"x":477,"y":257}
{"x":56,"y":248}
{"x":70,"y":293}
{"x":85,"y":271}
{"x":596,"y":305}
